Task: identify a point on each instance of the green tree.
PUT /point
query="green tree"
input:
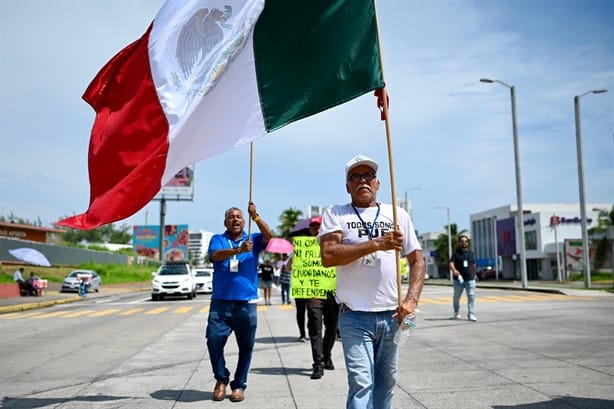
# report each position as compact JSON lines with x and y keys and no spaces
{"x":104,"y":234}
{"x":288,"y":220}
{"x":441,"y":244}
{"x":603,"y":246}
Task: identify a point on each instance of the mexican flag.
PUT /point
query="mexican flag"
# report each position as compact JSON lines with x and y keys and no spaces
{"x":209,"y":76}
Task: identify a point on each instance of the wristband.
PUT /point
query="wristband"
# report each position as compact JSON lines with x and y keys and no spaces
{"x":257,"y":218}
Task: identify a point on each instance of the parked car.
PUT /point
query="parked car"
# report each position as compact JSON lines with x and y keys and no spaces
{"x":204,"y":280}
{"x":487,"y":273}
{"x":173,"y":278}
{"x":72,"y":280}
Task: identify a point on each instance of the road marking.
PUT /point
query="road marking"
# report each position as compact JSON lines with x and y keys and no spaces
{"x":156,"y":311}
{"x":71,"y":313}
{"x":132,"y":311}
{"x":50,"y":314}
{"x":182,"y":310}
{"x":439,"y":301}
{"x":78,"y":313}
{"x":106,"y":312}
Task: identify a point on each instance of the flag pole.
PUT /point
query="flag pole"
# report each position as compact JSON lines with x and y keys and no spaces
{"x":390,"y":159}
{"x":251,"y":176}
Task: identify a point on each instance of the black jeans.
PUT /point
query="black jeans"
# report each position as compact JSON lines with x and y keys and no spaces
{"x":301,"y":305}
{"x":320,"y":312}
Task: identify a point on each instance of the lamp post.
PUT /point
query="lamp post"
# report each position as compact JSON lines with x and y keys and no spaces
{"x":520,"y":219}
{"x":447,"y":208}
{"x":585,"y":250}
{"x":407,"y":208}
{"x":494,"y":235}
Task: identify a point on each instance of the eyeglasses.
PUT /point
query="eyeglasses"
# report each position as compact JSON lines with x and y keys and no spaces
{"x":464,"y":241}
{"x":369,"y":176}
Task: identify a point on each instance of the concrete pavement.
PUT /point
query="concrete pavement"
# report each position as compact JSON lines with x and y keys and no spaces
{"x":523,"y":358}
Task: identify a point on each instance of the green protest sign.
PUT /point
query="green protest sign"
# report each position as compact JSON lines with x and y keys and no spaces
{"x":309,"y":278}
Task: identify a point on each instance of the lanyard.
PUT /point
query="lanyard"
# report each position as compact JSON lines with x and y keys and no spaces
{"x":233,"y":247}
{"x":370,"y":231}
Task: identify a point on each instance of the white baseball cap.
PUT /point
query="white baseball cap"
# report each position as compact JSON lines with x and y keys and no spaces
{"x":358,"y":161}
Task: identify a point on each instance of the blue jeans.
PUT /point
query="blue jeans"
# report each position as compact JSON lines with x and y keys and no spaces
{"x":469,"y":287}
{"x":225,"y":317}
{"x":285,"y":293}
{"x":371,"y":357}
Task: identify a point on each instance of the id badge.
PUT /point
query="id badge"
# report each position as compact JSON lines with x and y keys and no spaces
{"x":234,"y":265}
{"x":465,"y":263}
{"x":369,"y":260}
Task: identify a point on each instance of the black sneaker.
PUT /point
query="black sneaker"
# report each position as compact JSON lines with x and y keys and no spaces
{"x":328,"y":365}
{"x":318,"y":372}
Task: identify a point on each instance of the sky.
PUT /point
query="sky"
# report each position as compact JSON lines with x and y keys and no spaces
{"x":451,"y":139}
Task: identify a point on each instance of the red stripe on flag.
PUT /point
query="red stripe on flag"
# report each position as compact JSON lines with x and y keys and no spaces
{"x":129,"y":141}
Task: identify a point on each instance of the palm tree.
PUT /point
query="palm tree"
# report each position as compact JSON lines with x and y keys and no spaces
{"x":441,"y":244}
{"x":288,"y":219}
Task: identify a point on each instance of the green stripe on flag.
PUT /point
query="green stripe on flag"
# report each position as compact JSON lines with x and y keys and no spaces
{"x":313,"y":55}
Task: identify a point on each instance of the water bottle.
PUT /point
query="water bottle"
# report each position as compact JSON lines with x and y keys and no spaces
{"x":405,"y":329}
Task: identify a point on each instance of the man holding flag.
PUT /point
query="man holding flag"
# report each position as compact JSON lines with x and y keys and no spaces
{"x":361,"y":240}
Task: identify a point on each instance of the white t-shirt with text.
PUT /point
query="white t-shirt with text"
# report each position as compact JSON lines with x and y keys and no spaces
{"x":369,"y":283}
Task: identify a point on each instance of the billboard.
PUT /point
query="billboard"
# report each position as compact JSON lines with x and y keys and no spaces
{"x":180,"y":187}
{"x":146,"y":242}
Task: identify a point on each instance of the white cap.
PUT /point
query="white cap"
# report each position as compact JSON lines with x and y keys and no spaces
{"x":358,"y":161}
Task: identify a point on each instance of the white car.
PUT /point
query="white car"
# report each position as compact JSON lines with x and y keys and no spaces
{"x":204,"y":280}
{"x":72,"y":280}
{"x":173,"y":278}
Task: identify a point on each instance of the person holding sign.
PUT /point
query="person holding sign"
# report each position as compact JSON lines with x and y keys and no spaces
{"x":360,"y":239}
{"x":234,"y":298}
{"x":322,"y":308}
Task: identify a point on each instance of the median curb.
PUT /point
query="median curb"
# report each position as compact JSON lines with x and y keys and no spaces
{"x":35,"y":305}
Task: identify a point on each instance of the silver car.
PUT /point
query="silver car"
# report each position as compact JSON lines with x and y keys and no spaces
{"x":204,"y":280}
{"x":71,"y":282}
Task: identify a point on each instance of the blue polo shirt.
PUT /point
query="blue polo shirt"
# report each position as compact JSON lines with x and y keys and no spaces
{"x":242,"y":285}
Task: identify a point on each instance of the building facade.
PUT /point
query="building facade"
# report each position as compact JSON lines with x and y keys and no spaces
{"x":199,"y":246}
{"x":552,"y":232}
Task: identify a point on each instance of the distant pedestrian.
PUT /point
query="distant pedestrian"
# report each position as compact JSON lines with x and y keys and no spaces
{"x":285,"y":277}
{"x":266,"y":280}
{"x":24,"y":285}
{"x":301,"y":310}
{"x":463,"y":267}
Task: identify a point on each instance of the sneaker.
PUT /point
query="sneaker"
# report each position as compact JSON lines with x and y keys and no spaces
{"x":456,"y":317}
{"x":318,"y":372}
{"x":472,"y":318}
{"x":302,"y":339}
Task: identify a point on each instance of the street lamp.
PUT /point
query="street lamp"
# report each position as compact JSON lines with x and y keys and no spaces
{"x":447,"y":208}
{"x":495,"y":245}
{"x":585,"y":251}
{"x":407,"y":208}
{"x":520,"y":219}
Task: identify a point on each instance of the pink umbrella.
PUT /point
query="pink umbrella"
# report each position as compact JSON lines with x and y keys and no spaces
{"x":278,"y":245}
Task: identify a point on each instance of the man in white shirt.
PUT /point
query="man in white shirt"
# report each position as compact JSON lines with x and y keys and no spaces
{"x":24,"y":285}
{"x":360,"y":239}
{"x":18,"y":276}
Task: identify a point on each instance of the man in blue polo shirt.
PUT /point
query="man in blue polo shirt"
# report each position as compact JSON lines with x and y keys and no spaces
{"x":234,"y":298}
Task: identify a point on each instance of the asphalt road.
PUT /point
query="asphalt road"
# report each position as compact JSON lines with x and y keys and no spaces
{"x":529,"y":350}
